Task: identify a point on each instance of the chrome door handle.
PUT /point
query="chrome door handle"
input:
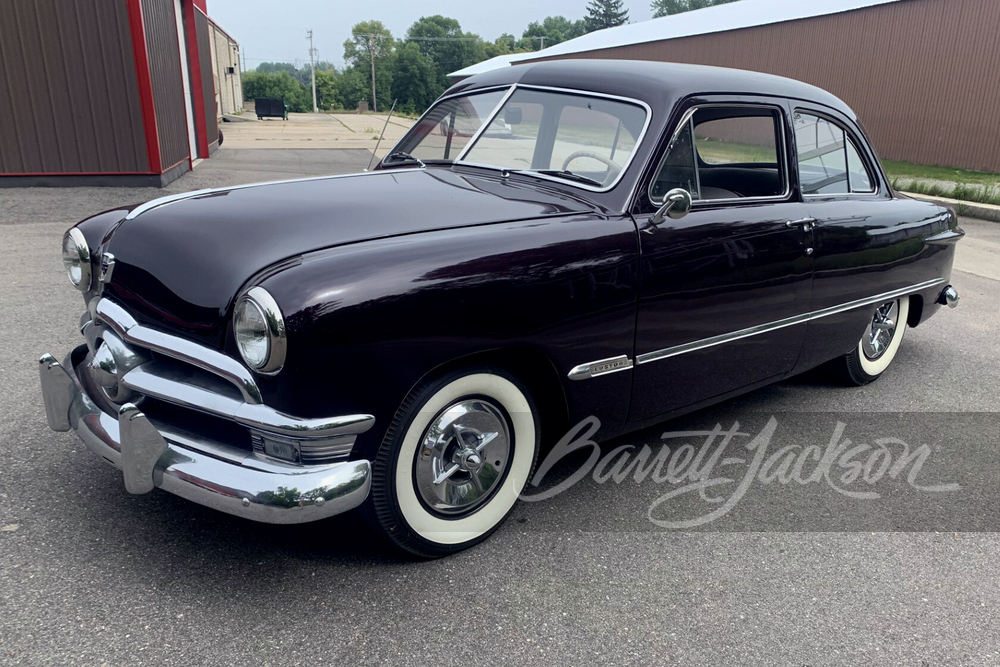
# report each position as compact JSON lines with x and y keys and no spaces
{"x":807,"y":223}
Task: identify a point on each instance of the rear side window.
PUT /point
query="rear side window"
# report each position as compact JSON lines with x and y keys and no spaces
{"x":829,"y":161}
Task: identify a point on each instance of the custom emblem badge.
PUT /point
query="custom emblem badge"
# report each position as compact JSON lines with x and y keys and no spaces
{"x":107,"y":267}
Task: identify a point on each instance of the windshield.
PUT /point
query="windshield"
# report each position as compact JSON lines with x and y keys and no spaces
{"x":444,"y":131}
{"x":578,"y":137}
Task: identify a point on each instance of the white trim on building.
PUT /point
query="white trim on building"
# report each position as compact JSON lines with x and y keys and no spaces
{"x":721,"y":18}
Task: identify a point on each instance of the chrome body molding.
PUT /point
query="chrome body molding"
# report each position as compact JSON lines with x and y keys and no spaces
{"x":209,"y":473}
{"x":170,"y":199}
{"x":167,"y":383}
{"x":780,"y":324}
{"x":601,"y":367}
{"x":947,"y":237}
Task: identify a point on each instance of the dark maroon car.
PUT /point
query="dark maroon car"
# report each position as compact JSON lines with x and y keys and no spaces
{"x":615,"y":239}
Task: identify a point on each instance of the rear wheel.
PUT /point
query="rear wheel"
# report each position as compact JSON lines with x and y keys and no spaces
{"x":878,"y":345}
{"x":453,"y":463}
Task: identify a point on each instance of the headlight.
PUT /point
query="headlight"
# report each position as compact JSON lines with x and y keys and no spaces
{"x":260,"y":331}
{"x":76,"y":259}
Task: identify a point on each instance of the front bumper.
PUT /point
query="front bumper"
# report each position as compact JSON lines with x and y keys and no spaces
{"x":151,"y":455}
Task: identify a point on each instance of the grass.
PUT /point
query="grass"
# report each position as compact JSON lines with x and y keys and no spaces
{"x":983,"y":194}
{"x":909,"y":170}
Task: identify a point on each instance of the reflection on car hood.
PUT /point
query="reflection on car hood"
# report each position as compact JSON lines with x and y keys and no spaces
{"x":179,"y":265}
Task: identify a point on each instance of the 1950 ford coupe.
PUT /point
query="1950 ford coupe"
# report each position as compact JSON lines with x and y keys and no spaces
{"x":548,"y":242}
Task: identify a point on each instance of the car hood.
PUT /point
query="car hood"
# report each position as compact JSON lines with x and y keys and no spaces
{"x":179,"y":265}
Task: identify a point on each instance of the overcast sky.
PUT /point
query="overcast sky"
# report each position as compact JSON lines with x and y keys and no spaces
{"x":275,"y":30}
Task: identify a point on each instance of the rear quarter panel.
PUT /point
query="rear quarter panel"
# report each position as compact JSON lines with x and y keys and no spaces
{"x":886,"y":245}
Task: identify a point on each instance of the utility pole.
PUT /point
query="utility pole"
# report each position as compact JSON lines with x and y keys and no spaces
{"x":371,"y":51}
{"x":312,"y":67}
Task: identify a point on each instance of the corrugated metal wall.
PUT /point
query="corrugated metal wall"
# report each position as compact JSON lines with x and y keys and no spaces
{"x":69,"y":101}
{"x":922,"y":75}
{"x":168,"y":83}
{"x":207,"y":76}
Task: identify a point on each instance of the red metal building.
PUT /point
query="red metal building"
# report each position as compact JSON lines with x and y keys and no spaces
{"x":104,"y":92}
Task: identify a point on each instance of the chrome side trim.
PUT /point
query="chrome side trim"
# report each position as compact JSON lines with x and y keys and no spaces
{"x":947,"y":237}
{"x":250,"y":488}
{"x":181,"y":349}
{"x":601,"y":367}
{"x":780,"y":324}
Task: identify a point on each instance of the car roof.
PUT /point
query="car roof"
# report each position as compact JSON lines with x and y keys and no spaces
{"x":659,"y":84}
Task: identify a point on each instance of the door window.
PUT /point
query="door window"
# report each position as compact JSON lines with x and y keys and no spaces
{"x":725,"y":154}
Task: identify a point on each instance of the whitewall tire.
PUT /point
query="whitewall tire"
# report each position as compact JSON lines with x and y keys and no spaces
{"x":879,"y":343}
{"x":453,"y":462}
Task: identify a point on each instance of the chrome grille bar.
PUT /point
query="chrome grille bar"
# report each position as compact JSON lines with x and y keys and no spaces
{"x":116,"y":317}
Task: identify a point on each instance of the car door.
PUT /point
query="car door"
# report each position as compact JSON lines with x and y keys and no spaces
{"x":855,"y":229}
{"x":720,"y":287}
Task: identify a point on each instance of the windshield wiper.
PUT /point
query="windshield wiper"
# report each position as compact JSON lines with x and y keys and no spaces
{"x":403,"y":157}
{"x":568,"y":175}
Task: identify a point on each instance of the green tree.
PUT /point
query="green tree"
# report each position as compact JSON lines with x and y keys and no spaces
{"x":327,"y":89}
{"x":368,"y":38}
{"x":354,"y":86}
{"x":414,"y":79}
{"x":554,"y":29}
{"x":277,"y":85}
{"x":668,"y":7}
{"x":605,"y":14}
{"x":442,"y":41}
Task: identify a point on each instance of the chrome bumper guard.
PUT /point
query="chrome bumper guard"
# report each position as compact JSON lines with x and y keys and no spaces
{"x":151,"y":455}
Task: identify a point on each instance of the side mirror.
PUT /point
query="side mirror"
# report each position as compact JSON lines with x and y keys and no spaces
{"x":513,"y":116}
{"x":675,"y":206}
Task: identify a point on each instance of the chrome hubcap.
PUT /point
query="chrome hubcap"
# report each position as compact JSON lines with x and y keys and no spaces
{"x":462,"y":456}
{"x":881,"y":331}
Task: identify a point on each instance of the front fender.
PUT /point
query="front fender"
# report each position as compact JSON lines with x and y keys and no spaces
{"x":367,"y":321}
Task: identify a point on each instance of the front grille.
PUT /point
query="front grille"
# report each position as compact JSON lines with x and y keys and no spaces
{"x":201,"y":394}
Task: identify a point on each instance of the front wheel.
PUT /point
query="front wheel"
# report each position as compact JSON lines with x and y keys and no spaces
{"x":453,"y":462}
{"x":878,"y":345}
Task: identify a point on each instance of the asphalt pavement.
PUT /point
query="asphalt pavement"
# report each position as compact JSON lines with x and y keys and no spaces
{"x":792,"y":574}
